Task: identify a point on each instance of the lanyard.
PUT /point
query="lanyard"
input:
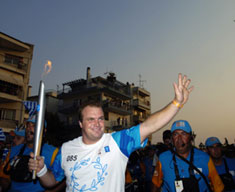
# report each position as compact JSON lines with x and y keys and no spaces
{"x":194,"y":168}
{"x":190,"y":169}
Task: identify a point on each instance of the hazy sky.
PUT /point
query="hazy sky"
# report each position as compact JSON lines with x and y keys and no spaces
{"x":154,"y":38}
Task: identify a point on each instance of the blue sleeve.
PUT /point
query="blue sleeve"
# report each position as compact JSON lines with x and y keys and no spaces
{"x":47,"y":152}
{"x":56,"y":167}
{"x":231,"y":166}
{"x":128,"y":140}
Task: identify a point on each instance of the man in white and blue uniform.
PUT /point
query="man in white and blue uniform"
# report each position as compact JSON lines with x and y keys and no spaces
{"x":101,"y":165}
{"x":96,"y":161}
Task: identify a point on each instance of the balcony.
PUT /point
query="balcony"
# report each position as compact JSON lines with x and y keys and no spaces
{"x":141,"y":91}
{"x":115,"y":107}
{"x":115,"y":126}
{"x":139,"y":118}
{"x":13,"y":63}
{"x":117,"y":92}
{"x":10,"y":92}
{"x":141,"y":103}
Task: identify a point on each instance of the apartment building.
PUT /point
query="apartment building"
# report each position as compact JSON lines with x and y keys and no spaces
{"x":114,"y":96}
{"x":15,"y":64}
{"x":51,"y":101}
{"x":124,"y":105}
{"x":141,"y":104}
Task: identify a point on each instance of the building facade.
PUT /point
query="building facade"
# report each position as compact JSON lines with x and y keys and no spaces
{"x":141,"y":104}
{"x":15,"y":64}
{"x":124,"y":105}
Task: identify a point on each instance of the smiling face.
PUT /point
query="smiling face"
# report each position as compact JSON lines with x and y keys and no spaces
{"x":92,"y":124}
{"x":182,"y":142}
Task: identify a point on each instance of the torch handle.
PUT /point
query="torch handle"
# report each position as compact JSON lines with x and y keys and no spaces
{"x":38,"y":153}
{"x":39,"y":123}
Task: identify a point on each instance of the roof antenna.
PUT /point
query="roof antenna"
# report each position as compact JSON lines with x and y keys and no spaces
{"x":141,"y":82}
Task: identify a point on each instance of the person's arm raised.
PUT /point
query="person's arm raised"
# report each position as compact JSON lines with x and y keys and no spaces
{"x":45,"y":176}
{"x":160,"y":118}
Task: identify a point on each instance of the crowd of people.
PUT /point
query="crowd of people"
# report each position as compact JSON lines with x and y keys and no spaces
{"x":165,"y":170}
{"x":120,"y":161}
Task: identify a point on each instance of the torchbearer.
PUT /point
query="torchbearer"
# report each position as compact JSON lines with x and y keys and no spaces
{"x":96,"y":161}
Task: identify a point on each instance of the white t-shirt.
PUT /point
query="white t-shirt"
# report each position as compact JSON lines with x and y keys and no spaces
{"x":100,"y":166}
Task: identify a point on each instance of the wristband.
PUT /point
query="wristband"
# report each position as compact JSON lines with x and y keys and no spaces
{"x":42,"y":171}
{"x":177,"y":104}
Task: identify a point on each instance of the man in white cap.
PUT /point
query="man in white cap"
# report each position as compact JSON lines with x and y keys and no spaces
{"x":224,"y":166}
{"x":185,"y":168}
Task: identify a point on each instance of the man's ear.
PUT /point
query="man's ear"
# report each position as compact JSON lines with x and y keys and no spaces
{"x":80,"y":124}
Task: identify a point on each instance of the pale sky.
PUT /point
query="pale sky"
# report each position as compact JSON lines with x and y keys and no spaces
{"x":154,"y":38}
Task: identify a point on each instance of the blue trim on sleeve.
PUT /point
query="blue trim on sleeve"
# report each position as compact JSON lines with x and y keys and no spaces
{"x":129,"y":140}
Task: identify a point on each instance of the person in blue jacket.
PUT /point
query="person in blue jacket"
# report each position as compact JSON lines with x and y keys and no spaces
{"x":185,"y":168}
{"x":224,"y":166}
{"x":47,"y":151}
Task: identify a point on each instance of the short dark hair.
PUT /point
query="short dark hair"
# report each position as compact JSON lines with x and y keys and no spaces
{"x":166,"y":135}
{"x":90,"y":104}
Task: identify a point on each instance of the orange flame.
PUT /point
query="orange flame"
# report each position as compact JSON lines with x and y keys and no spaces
{"x":47,"y":68}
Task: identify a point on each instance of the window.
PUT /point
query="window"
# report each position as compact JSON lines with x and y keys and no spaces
{"x":7,"y":114}
{"x":13,"y":59}
{"x":10,"y":88}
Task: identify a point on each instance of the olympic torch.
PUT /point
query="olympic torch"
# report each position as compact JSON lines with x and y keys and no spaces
{"x":38,"y":132}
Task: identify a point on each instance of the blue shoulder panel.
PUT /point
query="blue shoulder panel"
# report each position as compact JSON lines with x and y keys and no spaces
{"x":128,"y":140}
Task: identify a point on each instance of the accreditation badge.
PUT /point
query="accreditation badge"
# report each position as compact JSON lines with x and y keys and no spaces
{"x":179,"y":186}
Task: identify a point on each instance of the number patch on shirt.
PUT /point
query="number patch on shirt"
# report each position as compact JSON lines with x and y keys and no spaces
{"x":71,"y":158}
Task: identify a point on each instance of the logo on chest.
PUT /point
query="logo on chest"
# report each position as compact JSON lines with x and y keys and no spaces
{"x":103,"y":150}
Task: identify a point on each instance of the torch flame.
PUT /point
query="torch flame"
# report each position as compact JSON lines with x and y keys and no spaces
{"x":47,"y":68}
